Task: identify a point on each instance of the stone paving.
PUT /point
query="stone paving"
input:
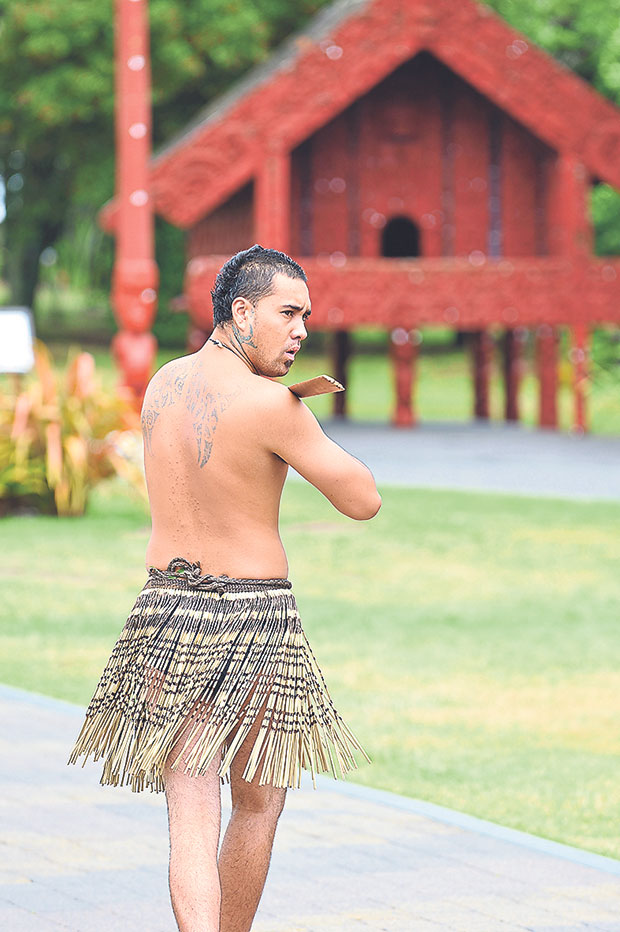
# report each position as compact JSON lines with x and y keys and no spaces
{"x":80,"y":857}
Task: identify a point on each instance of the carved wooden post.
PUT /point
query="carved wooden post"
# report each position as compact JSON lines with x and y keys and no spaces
{"x":512,"y":364}
{"x":482,"y":358}
{"x":547,"y":364}
{"x":341,"y":350}
{"x":404,"y":356}
{"x":135,"y":276}
{"x":570,"y":232}
{"x":272,"y":201}
{"x":579,"y":359}
{"x":570,"y":236}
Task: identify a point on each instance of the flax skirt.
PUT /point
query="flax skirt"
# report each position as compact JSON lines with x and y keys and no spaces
{"x":199,"y":659}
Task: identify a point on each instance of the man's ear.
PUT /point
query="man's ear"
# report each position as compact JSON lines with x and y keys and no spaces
{"x":241,"y":310}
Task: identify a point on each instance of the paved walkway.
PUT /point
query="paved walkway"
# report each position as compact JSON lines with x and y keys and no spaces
{"x":486,"y":456}
{"x":80,"y":857}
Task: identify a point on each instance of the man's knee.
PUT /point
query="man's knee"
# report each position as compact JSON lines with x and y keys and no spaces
{"x":194,"y":807}
{"x":258,"y":800}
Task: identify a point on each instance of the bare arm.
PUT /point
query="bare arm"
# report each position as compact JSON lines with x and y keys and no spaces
{"x":297,"y":437}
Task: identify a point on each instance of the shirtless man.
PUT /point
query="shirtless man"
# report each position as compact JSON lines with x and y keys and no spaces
{"x":219,"y":436}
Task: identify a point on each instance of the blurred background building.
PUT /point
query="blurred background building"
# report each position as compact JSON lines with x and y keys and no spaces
{"x":427,"y":165}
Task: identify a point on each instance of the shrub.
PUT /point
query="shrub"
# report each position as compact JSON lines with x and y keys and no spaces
{"x":60,"y":437}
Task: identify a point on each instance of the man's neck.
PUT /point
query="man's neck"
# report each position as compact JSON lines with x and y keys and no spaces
{"x":224,"y":340}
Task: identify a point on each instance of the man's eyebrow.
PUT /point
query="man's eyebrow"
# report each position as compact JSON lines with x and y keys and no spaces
{"x":297,"y":307}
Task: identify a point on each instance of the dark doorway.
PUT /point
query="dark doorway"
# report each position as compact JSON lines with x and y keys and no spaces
{"x":400,"y":239}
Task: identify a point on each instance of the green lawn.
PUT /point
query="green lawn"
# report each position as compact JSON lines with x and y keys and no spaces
{"x":470,"y":640}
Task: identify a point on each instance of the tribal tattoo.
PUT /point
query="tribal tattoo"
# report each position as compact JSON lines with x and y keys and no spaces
{"x":205,"y":408}
{"x":169,"y":387}
{"x":240,"y":337}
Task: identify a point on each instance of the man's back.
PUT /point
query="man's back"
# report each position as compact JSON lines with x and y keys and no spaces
{"x":214,"y":485}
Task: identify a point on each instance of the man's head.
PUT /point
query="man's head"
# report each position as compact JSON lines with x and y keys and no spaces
{"x":261,"y":299}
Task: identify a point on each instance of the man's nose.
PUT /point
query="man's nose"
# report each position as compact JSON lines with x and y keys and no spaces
{"x":299,"y":331}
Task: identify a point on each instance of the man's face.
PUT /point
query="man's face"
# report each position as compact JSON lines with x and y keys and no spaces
{"x":273,"y":329}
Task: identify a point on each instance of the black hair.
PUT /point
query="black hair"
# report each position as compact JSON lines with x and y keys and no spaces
{"x":249,"y":274}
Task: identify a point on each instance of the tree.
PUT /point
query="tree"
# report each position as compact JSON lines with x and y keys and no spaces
{"x":57,"y":106}
{"x":585,"y":36}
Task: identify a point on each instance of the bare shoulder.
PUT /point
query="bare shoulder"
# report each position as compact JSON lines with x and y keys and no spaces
{"x":164,"y":388}
{"x":282,"y":418}
{"x":169,"y":377}
{"x":275,"y":401}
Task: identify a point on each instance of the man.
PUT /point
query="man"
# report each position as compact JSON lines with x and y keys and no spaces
{"x":212,"y":677}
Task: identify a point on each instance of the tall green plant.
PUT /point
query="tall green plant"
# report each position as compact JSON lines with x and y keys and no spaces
{"x":58,"y":438}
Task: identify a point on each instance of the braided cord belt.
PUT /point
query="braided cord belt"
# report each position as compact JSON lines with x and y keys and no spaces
{"x":183,"y":570}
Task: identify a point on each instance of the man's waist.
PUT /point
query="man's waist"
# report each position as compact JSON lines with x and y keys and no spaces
{"x":187,"y":574}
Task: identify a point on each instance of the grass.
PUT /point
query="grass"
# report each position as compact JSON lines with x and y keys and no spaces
{"x":470,"y":640}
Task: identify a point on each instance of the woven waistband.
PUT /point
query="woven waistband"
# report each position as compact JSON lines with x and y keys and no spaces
{"x":186,"y":574}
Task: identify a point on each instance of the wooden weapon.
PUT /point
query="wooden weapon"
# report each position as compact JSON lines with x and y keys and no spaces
{"x":320,"y":385}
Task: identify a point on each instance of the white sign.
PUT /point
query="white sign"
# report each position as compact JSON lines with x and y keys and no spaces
{"x":16,"y":335}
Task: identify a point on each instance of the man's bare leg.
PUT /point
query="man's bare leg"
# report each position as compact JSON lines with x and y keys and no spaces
{"x":246,"y":848}
{"x":194,"y":815}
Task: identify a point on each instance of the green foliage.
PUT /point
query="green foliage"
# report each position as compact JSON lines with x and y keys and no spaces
{"x":605,"y":210}
{"x":57,"y":106}
{"x":583,"y":34}
{"x":170,"y":325}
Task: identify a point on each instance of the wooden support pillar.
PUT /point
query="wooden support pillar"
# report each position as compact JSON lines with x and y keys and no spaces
{"x":404,"y":351}
{"x":482,"y":358}
{"x":579,"y":359}
{"x":341,"y":351}
{"x":512,"y":368}
{"x":547,"y":365}
{"x":272,"y":198}
{"x":570,"y":229}
{"x":571,"y":236}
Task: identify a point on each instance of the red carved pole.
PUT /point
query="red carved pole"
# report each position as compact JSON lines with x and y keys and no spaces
{"x":404,"y":356}
{"x":547,"y":363}
{"x":570,"y":236}
{"x":512,"y":362}
{"x":135,"y":277}
{"x":579,"y":359}
{"x":482,"y":357}
{"x":341,"y":350}
{"x":272,"y":200}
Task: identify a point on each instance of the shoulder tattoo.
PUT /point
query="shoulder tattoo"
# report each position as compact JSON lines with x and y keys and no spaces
{"x":164,"y":392}
{"x":204,"y":407}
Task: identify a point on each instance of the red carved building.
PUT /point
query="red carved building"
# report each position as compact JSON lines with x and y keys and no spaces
{"x":427,"y":165}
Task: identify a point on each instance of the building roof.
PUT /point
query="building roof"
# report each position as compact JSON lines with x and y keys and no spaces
{"x":346,"y":50}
